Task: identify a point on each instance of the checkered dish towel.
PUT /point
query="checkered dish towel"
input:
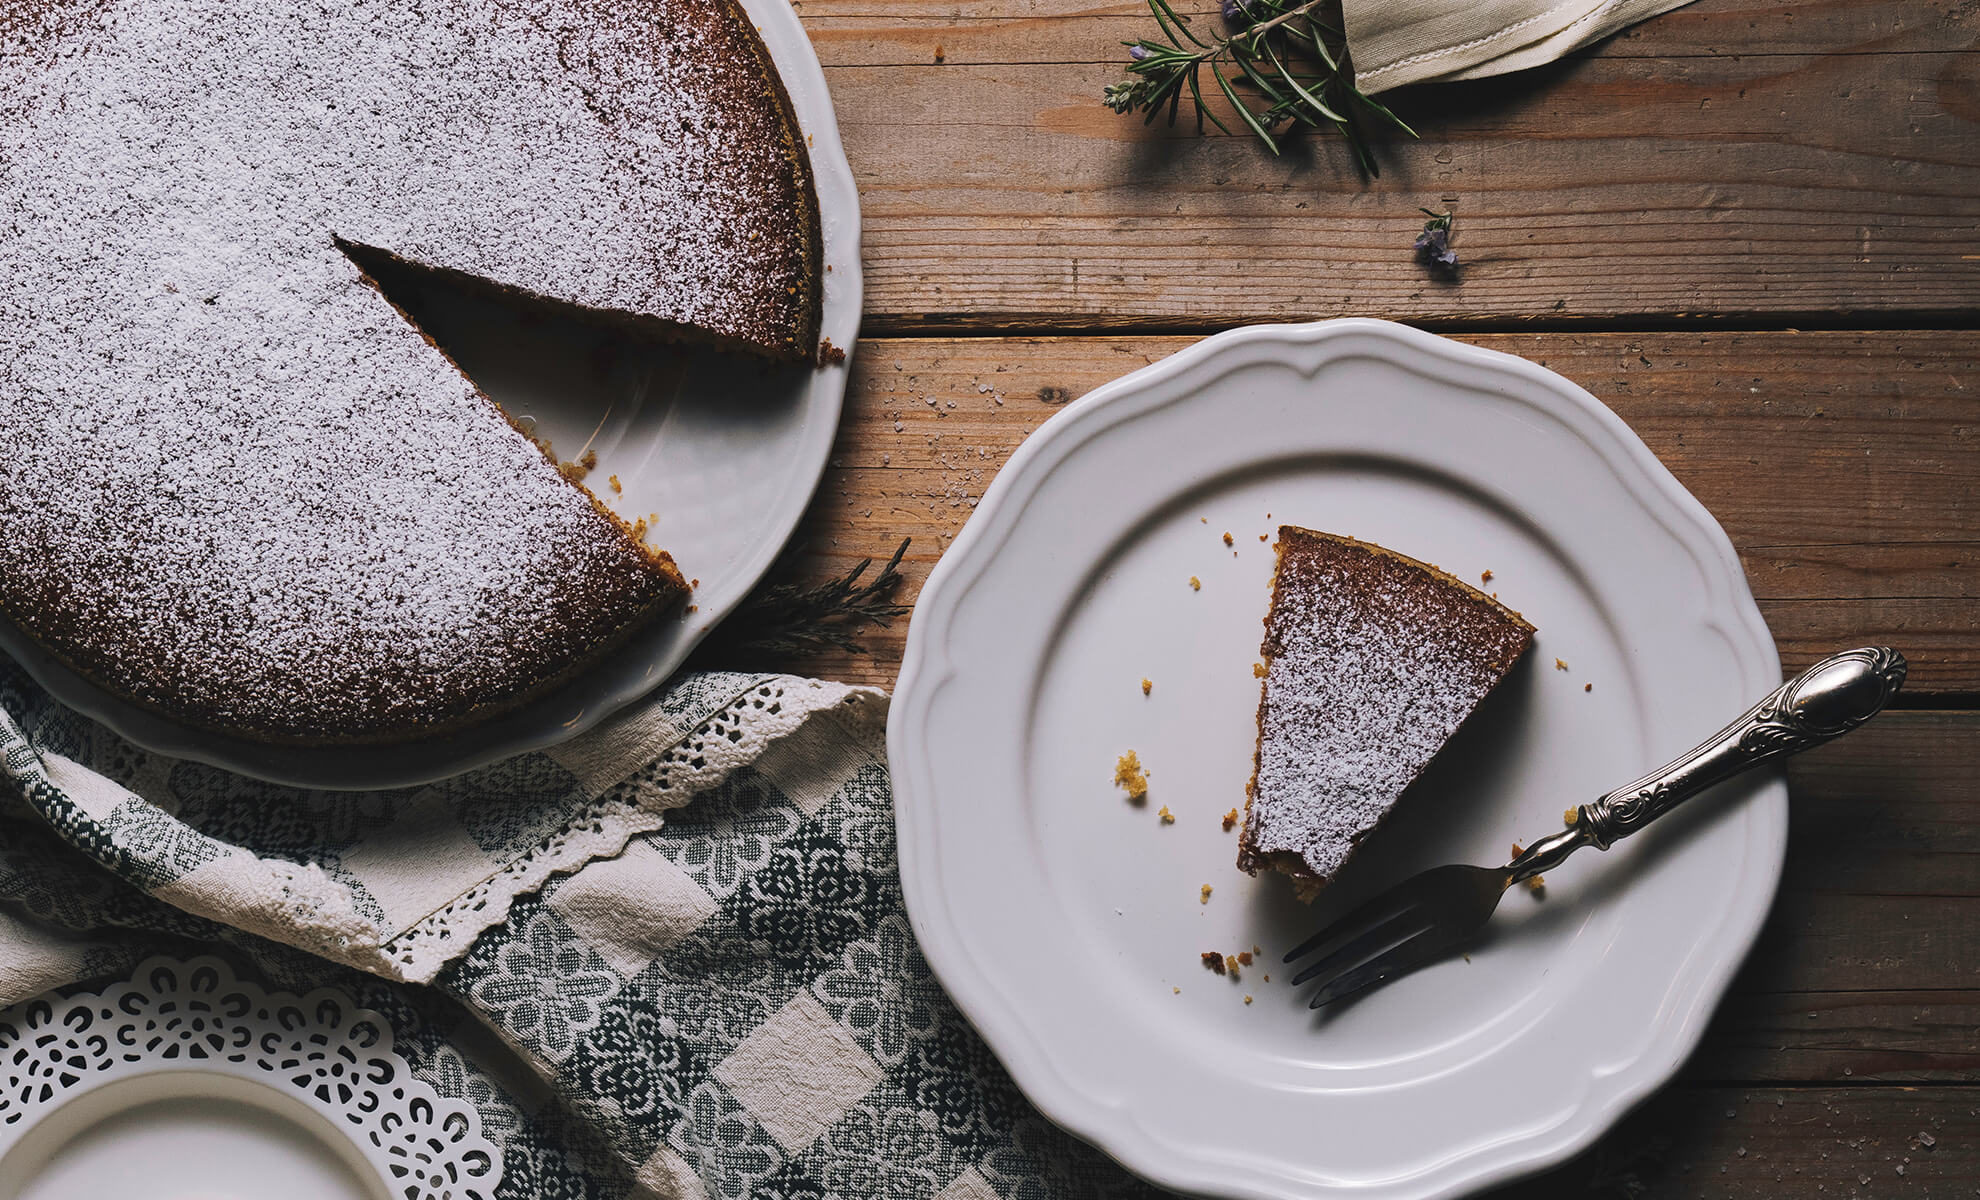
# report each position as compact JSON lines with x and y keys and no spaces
{"x":1395,"y":42}
{"x":668,"y":958}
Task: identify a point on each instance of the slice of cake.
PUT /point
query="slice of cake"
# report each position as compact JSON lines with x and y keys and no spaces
{"x":1372,"y":661}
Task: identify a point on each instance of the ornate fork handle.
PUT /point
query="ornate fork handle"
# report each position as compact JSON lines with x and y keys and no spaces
{"x":1827,"y":700}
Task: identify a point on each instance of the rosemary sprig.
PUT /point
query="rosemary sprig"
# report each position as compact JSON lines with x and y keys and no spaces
{"x":1283,"y":67}
{"x":787,"y":619}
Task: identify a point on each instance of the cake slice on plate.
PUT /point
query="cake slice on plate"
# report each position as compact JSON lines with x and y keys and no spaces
{"x":1372,"y":661}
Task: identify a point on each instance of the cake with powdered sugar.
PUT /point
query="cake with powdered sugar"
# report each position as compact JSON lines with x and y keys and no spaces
{"x":1372,"y":661}
{"x":237,"y":486}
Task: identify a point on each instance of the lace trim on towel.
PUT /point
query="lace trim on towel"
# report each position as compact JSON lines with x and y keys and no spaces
{"x":736,"y":735}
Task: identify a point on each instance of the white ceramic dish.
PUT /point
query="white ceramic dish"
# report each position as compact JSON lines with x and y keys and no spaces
{"x":725,"y":452}
{"x":185,"y":1081}
{"x":1068,"y":924}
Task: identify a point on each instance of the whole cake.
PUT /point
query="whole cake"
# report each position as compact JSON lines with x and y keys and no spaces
{"x":237,"y":487}
{"x":1372,"y":661}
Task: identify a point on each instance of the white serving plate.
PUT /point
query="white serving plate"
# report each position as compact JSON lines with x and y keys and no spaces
{"x":184,"y":1081}
{"x":1063,"y":920}
{"x":725,"y":451}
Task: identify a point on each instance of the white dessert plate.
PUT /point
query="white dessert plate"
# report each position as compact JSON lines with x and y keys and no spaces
{"x":1068,"y":924}
{"x":184,"y":1081}
{"x":719,"y":453}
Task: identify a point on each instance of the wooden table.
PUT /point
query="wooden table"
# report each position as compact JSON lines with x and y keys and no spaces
{"x":1748,"y":227}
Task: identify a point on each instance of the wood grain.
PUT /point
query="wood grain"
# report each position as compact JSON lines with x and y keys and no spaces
{"x":1844,"y":466}
{"x":1792,"y":1142}
{"x":1734,"y":158}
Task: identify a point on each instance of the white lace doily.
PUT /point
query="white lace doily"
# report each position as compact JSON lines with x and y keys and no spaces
{"x":321,"y":1049}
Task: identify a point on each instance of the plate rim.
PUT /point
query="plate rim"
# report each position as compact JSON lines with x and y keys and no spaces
{"x":928,"y":663}
{"x":542,"y":721}
{"x":365,"y":1139}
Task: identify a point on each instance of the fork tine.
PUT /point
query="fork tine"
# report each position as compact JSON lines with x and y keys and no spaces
{"x":1430,"y":943}
{"x":1378,"y":908}
{"x":1399,"y":927}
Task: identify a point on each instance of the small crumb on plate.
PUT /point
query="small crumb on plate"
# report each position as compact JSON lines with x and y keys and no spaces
{"x":1129,"y":776}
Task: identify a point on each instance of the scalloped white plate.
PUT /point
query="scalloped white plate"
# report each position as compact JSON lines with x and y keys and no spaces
{"x":725,"y":452}
{"x":185,"y":1081}
{"x":1068,"y":925}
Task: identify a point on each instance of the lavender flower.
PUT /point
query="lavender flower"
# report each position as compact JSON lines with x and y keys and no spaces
{"x":1237,"y":12}
{"x":1137,"y":53}
{"x":1433,"y":245}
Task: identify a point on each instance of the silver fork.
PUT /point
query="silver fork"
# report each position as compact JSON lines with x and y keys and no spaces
{"x":1427,"y":916}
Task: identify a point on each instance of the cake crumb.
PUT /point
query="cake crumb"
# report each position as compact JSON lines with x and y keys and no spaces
{"x":1195,"y":584}
{"x":1203,"y":897}
{"x":1227,"y":538}
{"x":1485,"y":577}
{"x":1560,"y":664}
{"x":1130,"y":777}
{"x":1176,"y":990}
{"x":1146,"y":685}
{"x":1204,"y":520}
{"x":1231,"y":965}
{"x":828,"y":354}
{"x":938,"y":52}
{"x":1214,"y":961}
{"x":590,"y":460}
{"x":1268,"y":979}
{"x":1168,"y":818}
{"x":1536,"y":884}
{"x":1261,"y":537}
{"x":1518,"y":850}
{"x":1230,"y":819}
{"x":1258,"y":670}
{"x":1247,"y":999}
{"x":1244,"y":957}
{"x":1587,"y":687}
{"x":1569,"y":817}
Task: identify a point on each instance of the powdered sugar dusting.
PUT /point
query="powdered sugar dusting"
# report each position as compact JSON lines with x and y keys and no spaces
{"x":1373,"y":661}
{"x":235,"y":480}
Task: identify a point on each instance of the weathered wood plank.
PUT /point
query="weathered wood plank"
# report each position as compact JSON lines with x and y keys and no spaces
{"x":1753,"y":1142}
{"x":1842,"y":1038}
{"x":1844,"y":466}
{"x":907,"y":32}
{"x":1686,"y":168}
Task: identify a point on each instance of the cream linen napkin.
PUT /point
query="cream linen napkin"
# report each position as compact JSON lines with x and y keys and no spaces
{"x":668,"y":958}
{"x":1397,"y":42}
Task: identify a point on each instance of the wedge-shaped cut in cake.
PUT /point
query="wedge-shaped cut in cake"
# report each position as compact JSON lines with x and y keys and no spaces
{"x":238,"y":487}
{"x":1372,"y":661}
